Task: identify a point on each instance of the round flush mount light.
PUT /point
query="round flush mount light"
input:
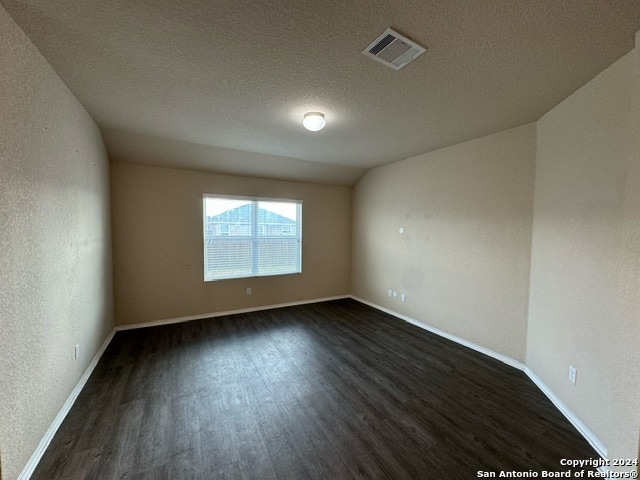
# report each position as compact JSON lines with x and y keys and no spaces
{"x":314,"y":121}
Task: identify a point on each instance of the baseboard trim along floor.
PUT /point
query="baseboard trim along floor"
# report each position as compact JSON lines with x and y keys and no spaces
{"x":560,"y":405}
{"x":35,"y":458}
{"x":31,"y":465}
{"x":168,"y":321}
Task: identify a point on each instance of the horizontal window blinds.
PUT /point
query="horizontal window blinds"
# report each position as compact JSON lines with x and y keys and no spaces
{"x":245,"y":237}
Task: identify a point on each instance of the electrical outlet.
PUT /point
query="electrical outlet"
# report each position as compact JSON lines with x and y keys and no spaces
{"x":394,"y":294}
{"x":403,"y":297}
{"x":572,"y":374}
{"x":248,"y":291}
{"x":76,"y":351}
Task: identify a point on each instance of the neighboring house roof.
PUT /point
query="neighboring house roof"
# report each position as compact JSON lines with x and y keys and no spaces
{"x":243,"y":214}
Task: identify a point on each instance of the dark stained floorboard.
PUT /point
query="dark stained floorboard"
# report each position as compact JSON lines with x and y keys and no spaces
{"x":333,"y":390}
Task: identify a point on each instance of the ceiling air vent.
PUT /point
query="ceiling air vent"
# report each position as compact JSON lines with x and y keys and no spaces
{"x":393,"y":49}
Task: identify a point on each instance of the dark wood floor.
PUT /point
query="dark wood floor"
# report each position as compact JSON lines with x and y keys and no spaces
{"x":334,"y":390}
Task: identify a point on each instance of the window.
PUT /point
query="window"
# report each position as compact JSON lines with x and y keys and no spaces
{"x":248,"y":237}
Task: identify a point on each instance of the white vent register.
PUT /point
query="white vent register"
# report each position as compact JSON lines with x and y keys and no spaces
{"x":393,"y":49}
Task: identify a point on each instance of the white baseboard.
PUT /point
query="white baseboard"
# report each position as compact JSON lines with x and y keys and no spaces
{"x":498,"y":356}
{"x":188,"y":318}
{"x":53,"y":428}
{"x":575,"y":421}
{"x":35,"y":458}
{"x":560,"y":405}
{"x":31,"y":465}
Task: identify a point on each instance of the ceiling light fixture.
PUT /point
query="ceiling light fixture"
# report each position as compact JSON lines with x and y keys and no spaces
{"x":314,"y":121}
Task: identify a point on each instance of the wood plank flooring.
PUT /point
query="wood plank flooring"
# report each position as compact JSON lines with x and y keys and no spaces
{"x":333,"y":390}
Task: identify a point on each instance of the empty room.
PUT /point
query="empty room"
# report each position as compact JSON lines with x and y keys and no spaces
{"x":319,"y":240}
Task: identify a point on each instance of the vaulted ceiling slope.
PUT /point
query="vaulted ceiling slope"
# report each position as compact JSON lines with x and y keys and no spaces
{"x":216,"y":79}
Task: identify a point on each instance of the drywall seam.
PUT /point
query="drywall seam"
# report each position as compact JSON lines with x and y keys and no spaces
{"x":559,"y":404}
{"x":35,"y":458}
{"x":168,"y":321}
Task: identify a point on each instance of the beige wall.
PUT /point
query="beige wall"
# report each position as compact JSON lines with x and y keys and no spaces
{"x":158,"y":249}
{"x":585,"y":273}
{"x":463,"y":260}
{"x":55,"y":273}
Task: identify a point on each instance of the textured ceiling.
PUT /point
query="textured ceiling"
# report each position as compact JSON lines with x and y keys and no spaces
{"x":212,"y":80}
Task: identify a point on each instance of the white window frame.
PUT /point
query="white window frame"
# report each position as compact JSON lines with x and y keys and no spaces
{"x":257,"y":235}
